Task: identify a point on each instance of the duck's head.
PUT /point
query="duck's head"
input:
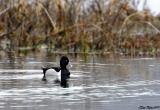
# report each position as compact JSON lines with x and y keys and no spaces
{"x":64,"y":61}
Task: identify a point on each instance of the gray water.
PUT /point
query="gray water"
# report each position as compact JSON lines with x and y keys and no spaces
{"x":96,"y":83}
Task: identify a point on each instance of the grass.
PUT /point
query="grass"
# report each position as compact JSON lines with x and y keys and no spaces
{"x":70,"y":26}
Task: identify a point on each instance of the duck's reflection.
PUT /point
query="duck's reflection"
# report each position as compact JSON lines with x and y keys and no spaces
{"x":62,"y":83}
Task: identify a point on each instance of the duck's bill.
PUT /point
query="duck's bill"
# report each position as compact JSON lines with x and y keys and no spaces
{"x":69,"y":65}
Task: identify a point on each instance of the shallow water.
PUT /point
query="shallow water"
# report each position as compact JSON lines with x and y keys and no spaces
{"x":97,"y":83}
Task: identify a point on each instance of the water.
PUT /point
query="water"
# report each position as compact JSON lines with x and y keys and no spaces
{"x":97,"y":83}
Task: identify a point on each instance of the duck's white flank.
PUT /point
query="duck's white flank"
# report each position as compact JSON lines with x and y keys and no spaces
{"x":53,"y":73}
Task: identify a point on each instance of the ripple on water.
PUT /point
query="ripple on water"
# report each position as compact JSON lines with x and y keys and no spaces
{"x":77,"y":93}
{"x":26,"y":90}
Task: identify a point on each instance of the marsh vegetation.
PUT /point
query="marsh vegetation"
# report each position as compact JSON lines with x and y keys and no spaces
{"x":79,"y":26}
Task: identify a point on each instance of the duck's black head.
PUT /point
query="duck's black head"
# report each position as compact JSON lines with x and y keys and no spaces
{"x":64,"y":62}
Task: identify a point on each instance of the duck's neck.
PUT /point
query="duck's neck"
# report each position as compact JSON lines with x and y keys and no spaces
{"x":63,"y":68}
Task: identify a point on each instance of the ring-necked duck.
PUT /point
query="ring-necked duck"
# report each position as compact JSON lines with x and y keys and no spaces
{"x":62,"y":72}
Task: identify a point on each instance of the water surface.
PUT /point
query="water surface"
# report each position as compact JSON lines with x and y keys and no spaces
{"x":97,"y":83}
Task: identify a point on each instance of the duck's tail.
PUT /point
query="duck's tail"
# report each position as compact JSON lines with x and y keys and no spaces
{"x":44,"y":73}
{"x":44,"y":69}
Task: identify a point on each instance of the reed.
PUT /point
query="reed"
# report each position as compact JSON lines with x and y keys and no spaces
{"x":79,"y":26}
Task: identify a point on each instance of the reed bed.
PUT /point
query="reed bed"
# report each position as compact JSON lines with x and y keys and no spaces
{"x":79,"y":26}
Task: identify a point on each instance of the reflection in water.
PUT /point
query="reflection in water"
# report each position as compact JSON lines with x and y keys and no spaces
{"x":63,"y":83}
{"x":96,"y":83}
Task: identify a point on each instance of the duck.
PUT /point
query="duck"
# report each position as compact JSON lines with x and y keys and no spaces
{"x":62,"y":72}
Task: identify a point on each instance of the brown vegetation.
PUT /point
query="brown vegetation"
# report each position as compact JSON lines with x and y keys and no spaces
{"x":79,"y":26}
